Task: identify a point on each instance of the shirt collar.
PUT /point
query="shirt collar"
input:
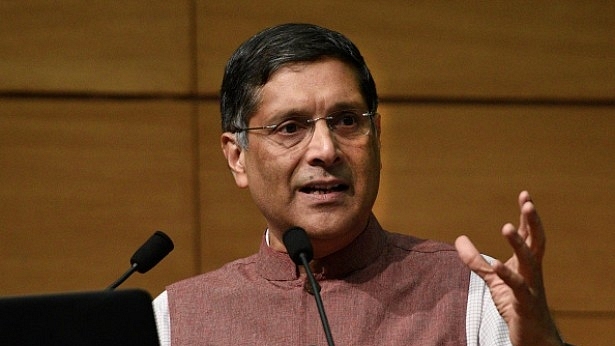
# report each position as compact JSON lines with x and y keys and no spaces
{"x":277,"y":266}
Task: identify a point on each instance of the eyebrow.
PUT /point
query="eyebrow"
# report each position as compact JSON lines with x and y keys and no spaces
{"x":286,"y":115}
{"x":295,"y":113}
{"x":349,"y":105}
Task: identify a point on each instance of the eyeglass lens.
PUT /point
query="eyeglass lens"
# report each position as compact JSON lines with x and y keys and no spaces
{"x":347,"y":126}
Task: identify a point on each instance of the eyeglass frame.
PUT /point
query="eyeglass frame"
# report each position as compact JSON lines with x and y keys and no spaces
{"x":311,"y":122}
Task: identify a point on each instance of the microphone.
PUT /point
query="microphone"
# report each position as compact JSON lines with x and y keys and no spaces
{"x":299,"y":249}
{"x":147,"y":256}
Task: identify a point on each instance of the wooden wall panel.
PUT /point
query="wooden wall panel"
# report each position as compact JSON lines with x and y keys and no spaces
{"x":84,"y":46}
{"x":455,"y":170}
{"x":594,"y":329}
{"x":85,"y":183}
{"x":231,"y":224}
{"x":442,"y":49}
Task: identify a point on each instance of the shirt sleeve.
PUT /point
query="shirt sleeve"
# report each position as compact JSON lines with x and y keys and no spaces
{"x":163,"y":323}
{"x":484,"y":325}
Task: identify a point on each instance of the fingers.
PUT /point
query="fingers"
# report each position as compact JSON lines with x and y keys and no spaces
{"x":524,"y":197}
{"x":523,"y":270}
{"x":523,"y":262}
{"x":530,"y":226}
{"x":511,"y":278}
{"x":516,"y":241}
{"x":519,"y":286}
{"x":471,"y":257}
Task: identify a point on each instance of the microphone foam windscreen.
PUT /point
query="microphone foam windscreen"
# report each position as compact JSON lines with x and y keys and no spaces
{"x":152,"y":251}
{"x":297,"y":242}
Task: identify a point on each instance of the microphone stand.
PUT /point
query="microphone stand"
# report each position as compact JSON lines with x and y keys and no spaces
{"x":123,"y":278}
{"x":319,"y":305}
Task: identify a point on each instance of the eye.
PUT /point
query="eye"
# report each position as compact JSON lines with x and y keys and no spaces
{"x":346,"y":120}
{"x":290,"y":127}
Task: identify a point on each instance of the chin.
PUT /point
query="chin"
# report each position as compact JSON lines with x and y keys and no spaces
{"x":329,"y":223}
{"x":332,"y":230}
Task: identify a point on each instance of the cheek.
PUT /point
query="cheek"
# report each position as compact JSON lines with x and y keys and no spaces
{"x":267,"y":171}
{"x":371,"y":176}
{"x":367,"y":170}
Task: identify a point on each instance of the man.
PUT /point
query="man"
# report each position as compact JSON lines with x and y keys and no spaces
{"x":302,"y":133}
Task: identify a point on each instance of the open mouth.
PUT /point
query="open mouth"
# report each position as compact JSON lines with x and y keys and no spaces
{"x":324,"y":189}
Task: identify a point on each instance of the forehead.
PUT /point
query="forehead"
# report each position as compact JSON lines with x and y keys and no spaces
{"x":317,"y":85}
{"x":313,"y":67}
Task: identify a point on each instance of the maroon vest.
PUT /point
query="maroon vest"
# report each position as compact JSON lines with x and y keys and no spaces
{"x":383,"y":289}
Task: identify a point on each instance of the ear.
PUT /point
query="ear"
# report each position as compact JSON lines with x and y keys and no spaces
{"x":235,"y":158}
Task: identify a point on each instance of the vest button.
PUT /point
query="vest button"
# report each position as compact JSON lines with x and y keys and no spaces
{"x":307,"y":287}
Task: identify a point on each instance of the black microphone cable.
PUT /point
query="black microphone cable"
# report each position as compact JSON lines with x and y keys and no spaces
{"x":300,"y":251}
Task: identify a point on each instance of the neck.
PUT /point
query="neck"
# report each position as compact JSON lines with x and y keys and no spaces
{"x":322,"y":246}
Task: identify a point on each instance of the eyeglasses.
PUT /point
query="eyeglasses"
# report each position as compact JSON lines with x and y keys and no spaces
{"x":347,"y":126}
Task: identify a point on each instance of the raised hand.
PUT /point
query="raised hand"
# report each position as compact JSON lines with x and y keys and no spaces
{"x":517,"y":285}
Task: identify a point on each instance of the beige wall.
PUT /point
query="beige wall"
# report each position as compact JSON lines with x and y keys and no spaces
{"x":109,"y":130}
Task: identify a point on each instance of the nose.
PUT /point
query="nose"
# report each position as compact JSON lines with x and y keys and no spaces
{"x":322,"y":149}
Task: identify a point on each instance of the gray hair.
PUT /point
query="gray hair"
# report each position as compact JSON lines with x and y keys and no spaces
{"x":253,"y":63}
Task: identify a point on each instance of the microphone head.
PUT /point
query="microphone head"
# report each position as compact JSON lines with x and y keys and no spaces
{"x":152,"y":251}
{"x":297,"y":242}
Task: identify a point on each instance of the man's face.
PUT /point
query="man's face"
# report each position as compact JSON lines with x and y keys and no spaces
{"x":322,"y":185}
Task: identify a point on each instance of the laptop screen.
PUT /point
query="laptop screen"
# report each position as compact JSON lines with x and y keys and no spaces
{"x":119,"y":318}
